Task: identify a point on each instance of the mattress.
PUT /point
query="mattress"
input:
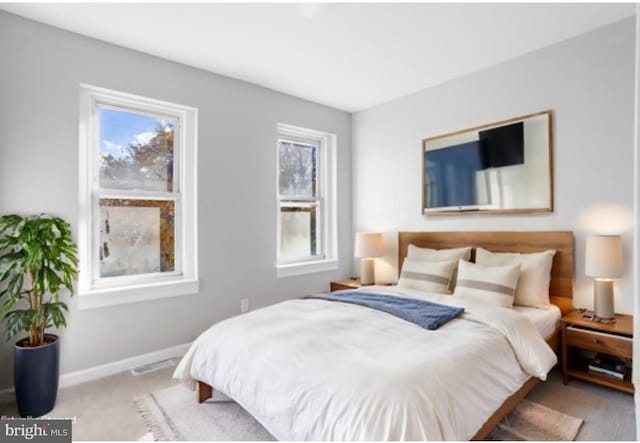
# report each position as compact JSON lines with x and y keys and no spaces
{"x":546,"y":320}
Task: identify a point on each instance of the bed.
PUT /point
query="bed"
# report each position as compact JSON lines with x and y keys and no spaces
{"x":316,"y":370}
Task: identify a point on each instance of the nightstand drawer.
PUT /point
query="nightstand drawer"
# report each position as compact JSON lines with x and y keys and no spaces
{"x":600,"y":342}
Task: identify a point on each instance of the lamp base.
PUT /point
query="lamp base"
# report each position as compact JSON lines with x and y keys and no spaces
{"x":367,"y":271}
{"x":603,"y":300}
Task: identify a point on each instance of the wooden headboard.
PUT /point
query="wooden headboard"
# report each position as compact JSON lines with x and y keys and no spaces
{"x":561,"y":285}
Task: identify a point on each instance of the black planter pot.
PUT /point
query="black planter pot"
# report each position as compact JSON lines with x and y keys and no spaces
{"x":35,"y":375}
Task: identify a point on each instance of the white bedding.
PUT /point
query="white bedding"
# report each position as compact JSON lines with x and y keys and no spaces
{"x":546,"y":320}
{"x":319,"y":370}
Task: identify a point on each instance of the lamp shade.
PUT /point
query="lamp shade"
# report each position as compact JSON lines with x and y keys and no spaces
{"x":604,"y":256}
{"x":369,"y":244}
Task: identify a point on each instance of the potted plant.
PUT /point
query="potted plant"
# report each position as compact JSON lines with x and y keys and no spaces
{"x":37,"y":261}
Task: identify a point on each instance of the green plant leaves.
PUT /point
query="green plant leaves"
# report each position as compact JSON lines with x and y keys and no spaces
{"x":54,"y":315}
{"x":39,"y":247}
{"x":17,"y":321}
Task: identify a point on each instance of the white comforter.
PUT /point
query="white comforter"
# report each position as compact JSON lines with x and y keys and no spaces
{"x":319,"y":370}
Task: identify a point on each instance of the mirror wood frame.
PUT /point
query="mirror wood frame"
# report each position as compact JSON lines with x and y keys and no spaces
{"x":548,"y":113}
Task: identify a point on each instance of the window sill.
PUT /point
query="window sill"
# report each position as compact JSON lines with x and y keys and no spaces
{"x":309,"y":267}
{"x":99,"y":298}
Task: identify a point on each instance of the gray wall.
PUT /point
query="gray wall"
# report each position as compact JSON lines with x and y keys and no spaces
{"x":39,"y":76}
{"x":587,"y":81}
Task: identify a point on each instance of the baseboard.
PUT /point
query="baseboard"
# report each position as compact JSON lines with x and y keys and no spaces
{"x":101,"y":371}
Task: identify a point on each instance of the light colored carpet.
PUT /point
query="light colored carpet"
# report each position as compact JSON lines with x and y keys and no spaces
{"x":173,"y":414}
{"x":103,"y":409}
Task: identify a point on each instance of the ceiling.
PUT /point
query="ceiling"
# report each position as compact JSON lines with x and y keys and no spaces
{"x":347,"y":55}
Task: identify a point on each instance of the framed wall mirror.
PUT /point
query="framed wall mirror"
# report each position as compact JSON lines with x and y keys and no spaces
{"x":498,"y":168}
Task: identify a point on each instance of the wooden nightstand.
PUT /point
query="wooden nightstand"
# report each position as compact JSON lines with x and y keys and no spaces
{"x":614,"y":339}
{"x":345,"y":284}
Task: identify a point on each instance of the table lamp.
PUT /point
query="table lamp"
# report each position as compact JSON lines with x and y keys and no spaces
{"x":368,"y":245}
{"x":604,"y":263}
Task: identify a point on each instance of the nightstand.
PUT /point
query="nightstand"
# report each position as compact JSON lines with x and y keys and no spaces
{"x":345,"y":284}
{"x":613,"y":339}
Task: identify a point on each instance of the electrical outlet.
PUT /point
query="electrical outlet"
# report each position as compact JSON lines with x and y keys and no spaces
{"x":244,"y":305}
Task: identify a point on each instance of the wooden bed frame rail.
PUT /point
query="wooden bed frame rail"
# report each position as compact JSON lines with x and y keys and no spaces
{"x":203,"y":391}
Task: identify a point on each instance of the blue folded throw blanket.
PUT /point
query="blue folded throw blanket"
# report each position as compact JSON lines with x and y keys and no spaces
{"x":420,"y":312}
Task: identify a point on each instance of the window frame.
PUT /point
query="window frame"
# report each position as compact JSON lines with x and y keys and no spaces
{"x":95,"y":291}
{"x":324,"y":200}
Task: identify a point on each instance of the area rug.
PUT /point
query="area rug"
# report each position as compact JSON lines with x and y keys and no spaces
{"x":172,"y":414}
{"x":533,"y":422}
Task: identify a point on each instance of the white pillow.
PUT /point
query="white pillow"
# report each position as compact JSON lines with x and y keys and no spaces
{"x":428,"y":276}
{"x":535,"y":273}
{"x":427,"y":254}
{"x":494,"y":285}
{"x":439,"y":254}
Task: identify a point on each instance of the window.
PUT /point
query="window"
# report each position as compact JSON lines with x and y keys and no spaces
{"x":306,"y":202}
{"x":137,"y":233}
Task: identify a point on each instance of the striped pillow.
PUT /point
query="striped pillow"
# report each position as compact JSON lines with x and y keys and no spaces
{"x":426,"y":276}
{"x":535,"y":273}
{"x":488,"y":284}
{"x":428,"y":254}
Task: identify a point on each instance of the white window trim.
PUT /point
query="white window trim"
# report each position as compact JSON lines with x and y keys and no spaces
{"x":327,"y":178}
{"x":137,"y":288}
